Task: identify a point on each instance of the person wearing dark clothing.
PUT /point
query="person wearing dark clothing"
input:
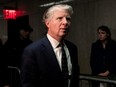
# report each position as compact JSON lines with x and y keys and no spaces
{"x":13,"y":48}
{"x":103,"y":54}
{"x":41,"y":61}
{"x":4,"y":75}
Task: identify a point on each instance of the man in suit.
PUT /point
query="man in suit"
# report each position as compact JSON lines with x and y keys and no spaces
{"x":41,"y":61}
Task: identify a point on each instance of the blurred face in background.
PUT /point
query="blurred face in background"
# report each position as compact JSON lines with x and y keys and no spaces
{"x":24,"y":34}
{"x":102,"y":35}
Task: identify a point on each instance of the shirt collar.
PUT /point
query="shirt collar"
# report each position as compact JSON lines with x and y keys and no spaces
{"x":53,"y":41}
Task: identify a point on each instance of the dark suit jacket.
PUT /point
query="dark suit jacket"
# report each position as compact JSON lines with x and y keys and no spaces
{"x":40,"y":67}
{"x":103,"y":59}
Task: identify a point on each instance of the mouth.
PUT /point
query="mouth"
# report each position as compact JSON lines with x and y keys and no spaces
{"x":64,"y":30}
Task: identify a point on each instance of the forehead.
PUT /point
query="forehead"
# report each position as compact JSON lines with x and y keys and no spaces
{"x":61,"y":13}
{"x":22,"y":30}
{"x":101,"y":31}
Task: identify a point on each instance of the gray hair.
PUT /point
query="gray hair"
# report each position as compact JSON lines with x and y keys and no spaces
{"x":51,"y":10}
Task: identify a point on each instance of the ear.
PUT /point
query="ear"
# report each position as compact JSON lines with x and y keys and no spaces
{"x":47,"y":23}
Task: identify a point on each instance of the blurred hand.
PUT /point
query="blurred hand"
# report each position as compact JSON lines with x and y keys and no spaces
{"x":105,"y":73}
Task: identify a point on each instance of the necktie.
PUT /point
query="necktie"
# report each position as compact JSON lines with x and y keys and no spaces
{"x":64,"y":66}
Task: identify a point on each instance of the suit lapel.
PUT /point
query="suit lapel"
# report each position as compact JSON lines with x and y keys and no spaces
{"x":48,"y":50}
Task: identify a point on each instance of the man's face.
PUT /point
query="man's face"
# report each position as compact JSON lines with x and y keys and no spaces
{"x":58,"y":24}
{"x":102,"y":35}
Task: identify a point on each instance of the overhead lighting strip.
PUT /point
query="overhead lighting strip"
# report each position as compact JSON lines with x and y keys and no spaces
{"x":53,"y":3}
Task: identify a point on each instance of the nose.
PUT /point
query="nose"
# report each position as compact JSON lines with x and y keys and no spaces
{"x":65,"y":21}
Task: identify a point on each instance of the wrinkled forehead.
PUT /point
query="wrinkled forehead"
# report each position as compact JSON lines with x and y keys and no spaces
{"x":56,"y":8}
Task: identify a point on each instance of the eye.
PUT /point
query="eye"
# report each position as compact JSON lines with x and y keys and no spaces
{"x":68,"y":19}
{"x":59,"y":18}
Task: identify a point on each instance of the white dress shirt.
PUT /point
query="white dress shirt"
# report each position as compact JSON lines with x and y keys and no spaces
{"x":58,"y":52}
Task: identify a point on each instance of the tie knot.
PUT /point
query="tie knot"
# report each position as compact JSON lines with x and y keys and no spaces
{"x":61,"y":44}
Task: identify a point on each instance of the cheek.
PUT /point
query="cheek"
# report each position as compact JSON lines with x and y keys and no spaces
{"x":103,"y":36}
{"x":50,"y":24}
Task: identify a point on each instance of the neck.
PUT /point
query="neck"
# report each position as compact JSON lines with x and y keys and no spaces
{"x":104,"y":43}
{"x":59,"y":39}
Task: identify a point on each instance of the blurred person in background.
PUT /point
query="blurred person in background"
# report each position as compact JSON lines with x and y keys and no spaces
{"x":103,"y":55}
{"x":13,"y":48}
{"x":4,"y":74}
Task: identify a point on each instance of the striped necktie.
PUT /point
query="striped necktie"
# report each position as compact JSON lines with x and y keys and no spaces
{"x":64,"y":66}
